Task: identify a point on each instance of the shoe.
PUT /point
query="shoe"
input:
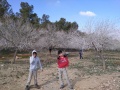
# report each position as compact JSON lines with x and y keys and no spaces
{"x":37,"y":86}
{"x":27,"y":88}
{"x":62,"y":86}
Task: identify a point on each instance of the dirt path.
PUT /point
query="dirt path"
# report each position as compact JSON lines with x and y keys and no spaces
{"x":48,"y":79}
{"x":103,"y":82}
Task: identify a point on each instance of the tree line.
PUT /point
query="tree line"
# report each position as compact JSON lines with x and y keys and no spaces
{"x":26,"y":12}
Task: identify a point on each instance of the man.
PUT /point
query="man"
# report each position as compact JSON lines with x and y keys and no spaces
{"x":81,"y":53}
{"x":35,"y":64}
{"x":50,"y":50}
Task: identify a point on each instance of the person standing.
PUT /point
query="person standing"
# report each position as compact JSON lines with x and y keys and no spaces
{"x":35,"y":65}
{"x":81,"y":54}
{"x":63,"y":63}
{"x":50,"y":50}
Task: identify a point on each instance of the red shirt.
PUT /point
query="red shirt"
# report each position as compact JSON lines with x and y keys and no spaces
{"x":62,"y":62}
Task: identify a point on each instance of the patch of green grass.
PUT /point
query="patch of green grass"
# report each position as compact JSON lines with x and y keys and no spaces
{"x":48,"y":64}
{"x":93,"y":70}
{"x":72,"y":55}
{"x":96,"y":69}
{"x":97,"y":61}
{"x":76,"y":66}
{"x":5,"y":61}
{"x":5,"y":51}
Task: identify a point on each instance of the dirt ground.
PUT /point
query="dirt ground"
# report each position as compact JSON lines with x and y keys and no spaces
{"x":80,"y":72}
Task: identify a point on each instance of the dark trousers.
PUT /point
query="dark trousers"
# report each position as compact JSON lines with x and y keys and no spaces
{"x":81,"y":57}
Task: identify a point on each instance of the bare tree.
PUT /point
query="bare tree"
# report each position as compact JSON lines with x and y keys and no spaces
{"x":77,"y":40}
{"x":101,"y":37}
{"x":62,"y":39}
{"x":51,"y":36}
{"x":18,"y":34}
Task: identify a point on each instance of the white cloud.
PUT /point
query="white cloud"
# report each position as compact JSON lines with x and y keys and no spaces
{"x":87,"y":13}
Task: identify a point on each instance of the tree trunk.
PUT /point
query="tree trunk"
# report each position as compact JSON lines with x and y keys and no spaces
{"x":103,"y":60}
{"x":14,"y":58}
{"x":100,"y":53}
{"x":104,"y":64}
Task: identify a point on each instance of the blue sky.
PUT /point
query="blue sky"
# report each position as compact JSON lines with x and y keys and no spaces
{"x":73,"y":10}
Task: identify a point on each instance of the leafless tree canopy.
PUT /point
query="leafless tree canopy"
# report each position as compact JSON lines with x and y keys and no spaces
{"x":22,"y":35}
{"x":18,"y":34}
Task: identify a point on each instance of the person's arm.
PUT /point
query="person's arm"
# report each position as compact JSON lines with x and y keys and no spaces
{"x":58,"y":61}
{"x":32,"y":60}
